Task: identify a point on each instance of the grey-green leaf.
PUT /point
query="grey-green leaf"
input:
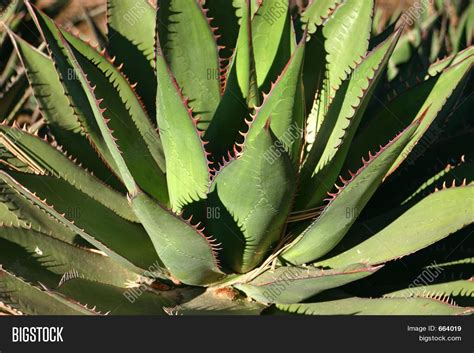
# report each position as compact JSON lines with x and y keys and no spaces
{"x":291,"y":284}
{"x":430,"y":220}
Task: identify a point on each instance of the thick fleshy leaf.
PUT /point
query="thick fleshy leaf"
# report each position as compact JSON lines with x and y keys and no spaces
{"x":440,"y":65}
{"x":32,"y":300}
{"x":283,"y":107}
{"x":435,"y":165}
{"x":240,"y":94}
{"x":125,"y":116}
{"x":46,"y":159}
{"x":6,"y":214}
{"x":336,"y":218}
{"x":67,"y":122}
{"x":126,"y":160}
{"x":139,"y":116}
{"x":251,"y":223}
{"x":271,"y":30}
{"x":23,"y":213}
{"x":325,"y":160}
{"x":243,"y":64}
{"x":352,"y":16}
{"x":461,"y":288}
{"x":314,"y":73}
{"x":449,"y":82}
{"x":78,"y":88}
{"x":62,"y":258}
{"x":115,"y":300}
{"x":186,"y":34}
{"x":339,"y":53}
{"x":123,"y":241}
{"x":186,"y":252}
{"x":131,"y":33}
{"x":383,"y":306}
{"x":187,"y":169}
{"x":436,"y":92}
{"x":241,"y":7}
{"x":128,"y":238}
{"x":317,"y":12}
{"x":430,"y":220}
{"x":289,"y":284}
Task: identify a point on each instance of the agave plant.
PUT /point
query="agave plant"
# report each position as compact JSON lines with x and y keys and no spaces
{"x":175,"y":179}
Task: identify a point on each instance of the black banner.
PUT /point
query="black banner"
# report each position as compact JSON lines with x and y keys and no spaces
{"x":286,"y":333}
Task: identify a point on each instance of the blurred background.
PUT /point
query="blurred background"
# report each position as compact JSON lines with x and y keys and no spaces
{"x":72,"y":12}
{"x":73,"y":8}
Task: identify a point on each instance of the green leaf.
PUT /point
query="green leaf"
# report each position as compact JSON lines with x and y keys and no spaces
{"x":432,"y":219}
{"x":339,"y":53}
{"x":240,"y":94}
{"x":271,"y":30}
{"x":122,"y":240}
{"x":66,"y":122}
{"x":251,"y":223}
{"x":26,"y":214}
{"x":240,"y":7}
{"x":451,"y":60}
{"x":449,"y":82}
{"x":317,"y":12}
{"x":294,"y":284}
{"x":314,"y":72}
{"x":435,"y":92}
{"x":383,"y":306}
{"x":126,"y":117}
{"x":461,"y":288}
{"x":325,"y":160}
{"x":244,"y":62}
{"x":131,"y":33}
{"x":187,"y":169}
{"x":115,"y":300}
{"x":352,"y":16}
{"x":6,"y":214}
{"x":336,"y":218}
{"x":187,"y":253}
{"x":32,"y":300}
{"x":284,"y":108}
{"x":125,"y":159}
{"x":46,"y":159}
{"x":78,"y":88}
{"x":186,"y":34}
{"x":62,"y":258}
{"x":130,"y":100}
